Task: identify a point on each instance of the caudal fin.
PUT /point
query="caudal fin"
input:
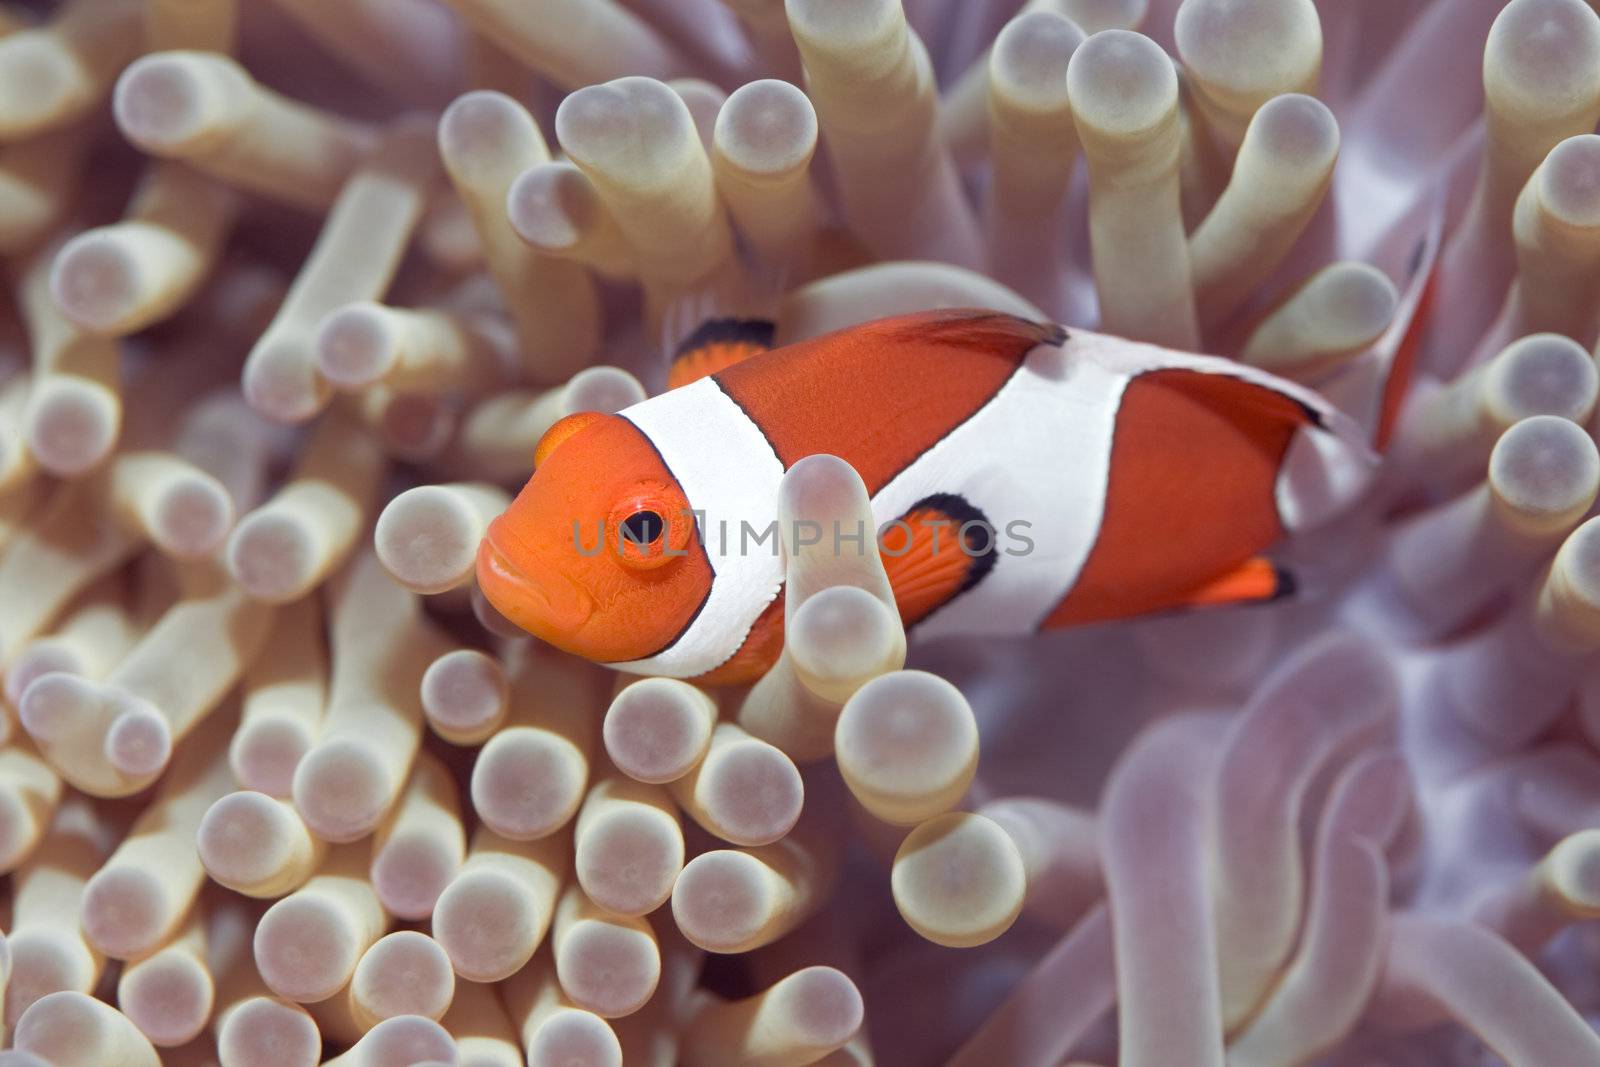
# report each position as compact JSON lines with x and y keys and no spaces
{"x":1398,"y":348}
{"x":1373,"y":388}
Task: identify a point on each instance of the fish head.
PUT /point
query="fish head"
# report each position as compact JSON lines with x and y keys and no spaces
{"x":598,"y":554}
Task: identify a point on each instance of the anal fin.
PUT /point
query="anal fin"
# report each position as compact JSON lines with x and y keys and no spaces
{"x":1256,"y":580}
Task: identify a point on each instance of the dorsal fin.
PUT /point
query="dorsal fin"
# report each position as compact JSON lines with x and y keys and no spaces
{"x":980,"y":328}
{"x":716,"y":345}
{"x":879,"y":394}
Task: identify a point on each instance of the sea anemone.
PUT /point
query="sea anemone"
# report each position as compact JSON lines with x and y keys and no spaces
{"x":298,"y":286}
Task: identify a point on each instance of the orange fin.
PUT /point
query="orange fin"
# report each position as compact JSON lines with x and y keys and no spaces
{"x":934,"y":552}
{"x":1254,"y":581}
{"x":716,"y":345}
{"x":975,"y":329}
{"x":1403,"y":341}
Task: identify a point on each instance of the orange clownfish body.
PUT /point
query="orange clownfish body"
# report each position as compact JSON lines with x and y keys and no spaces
{"x":1091,"y":478}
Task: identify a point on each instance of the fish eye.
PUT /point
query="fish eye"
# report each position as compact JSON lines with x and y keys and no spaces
{"x":648,"y":532}
{"x":643,"y":527}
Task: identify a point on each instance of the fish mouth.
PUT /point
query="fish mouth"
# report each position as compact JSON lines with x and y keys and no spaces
{"x":547,"y":604}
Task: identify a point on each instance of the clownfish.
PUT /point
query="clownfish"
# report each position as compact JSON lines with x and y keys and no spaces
{"x":1143,"y":479}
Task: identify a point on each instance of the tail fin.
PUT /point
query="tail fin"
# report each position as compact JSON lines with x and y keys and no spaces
{"x":1396,"y":352}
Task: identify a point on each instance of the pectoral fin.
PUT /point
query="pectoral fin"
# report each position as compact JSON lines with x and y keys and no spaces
{"x":937,"y":550}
